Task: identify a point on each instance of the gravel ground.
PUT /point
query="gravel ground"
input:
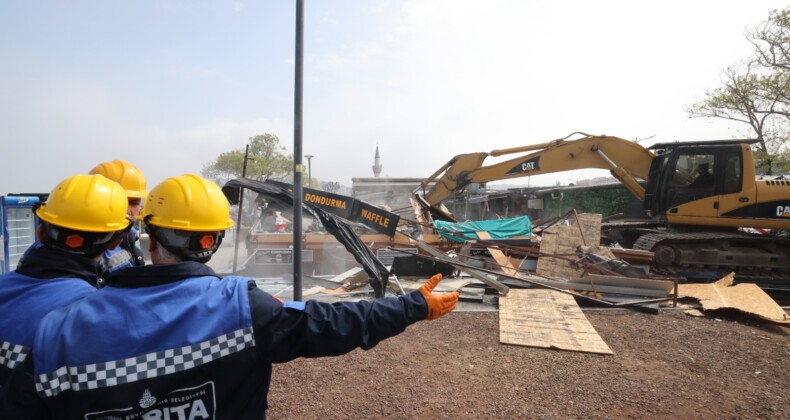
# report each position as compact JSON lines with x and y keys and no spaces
{"x":665,"y":366}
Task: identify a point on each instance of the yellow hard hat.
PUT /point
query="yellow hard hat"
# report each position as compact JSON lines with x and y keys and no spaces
{"x":88,"y":203}
{"x":124,"y":173}
{"x":187,"y":202}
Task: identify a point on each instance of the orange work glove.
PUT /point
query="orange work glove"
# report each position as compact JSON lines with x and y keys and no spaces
{"x":438,"y":305}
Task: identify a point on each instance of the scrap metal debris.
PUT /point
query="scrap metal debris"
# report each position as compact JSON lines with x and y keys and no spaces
{"x":487,"y":278}
{"x":614,"y":265}
{"x":336,"y":225}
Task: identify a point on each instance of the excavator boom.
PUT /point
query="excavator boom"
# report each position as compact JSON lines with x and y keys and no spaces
{"x":628,"y":162}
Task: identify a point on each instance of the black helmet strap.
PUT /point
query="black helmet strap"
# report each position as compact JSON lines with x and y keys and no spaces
{"x":88,"y":244}
{"x":187,"y":245}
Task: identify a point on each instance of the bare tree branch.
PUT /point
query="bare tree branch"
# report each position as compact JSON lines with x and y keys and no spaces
{"x":771,"y":40}
{"x":756,"y":92}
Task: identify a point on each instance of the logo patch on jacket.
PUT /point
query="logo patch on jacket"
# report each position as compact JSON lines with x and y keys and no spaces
{"x":147,"y":400}
{"x":185,"y":403}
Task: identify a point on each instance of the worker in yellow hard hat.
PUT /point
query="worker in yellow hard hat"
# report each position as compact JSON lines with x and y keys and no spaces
{"x":82,"y":217}
{"x":174,"y":336}
{"x":128,"y":253}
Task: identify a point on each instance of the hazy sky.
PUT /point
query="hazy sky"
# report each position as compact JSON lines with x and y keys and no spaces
{"x":168,"y":85}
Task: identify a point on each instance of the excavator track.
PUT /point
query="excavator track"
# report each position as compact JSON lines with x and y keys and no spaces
{"x":748,"y":255}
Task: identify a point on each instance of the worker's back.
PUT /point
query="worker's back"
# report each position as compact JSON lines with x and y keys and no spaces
{"x":189,"y":352}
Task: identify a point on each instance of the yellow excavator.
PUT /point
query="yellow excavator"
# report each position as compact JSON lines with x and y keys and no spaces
{"x":700,"y":196}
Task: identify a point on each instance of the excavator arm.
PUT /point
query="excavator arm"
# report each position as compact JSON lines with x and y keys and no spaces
{"x":627,"y":161}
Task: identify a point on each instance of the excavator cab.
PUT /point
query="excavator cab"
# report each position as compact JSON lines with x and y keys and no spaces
{"x":691,"y":179}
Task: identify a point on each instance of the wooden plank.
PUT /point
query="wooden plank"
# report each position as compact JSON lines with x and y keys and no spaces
{"x":633,"y":256}
{"x":347,"y":274}
{"x":547,"y":319}
{"x":499,"y":256}
{"x":340,"y":289}
{"x":419,"y":215}
{"x":313,"y":291}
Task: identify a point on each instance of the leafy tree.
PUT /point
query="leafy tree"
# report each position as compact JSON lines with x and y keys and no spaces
{"x":267,"y":160}
{"x":756,"y":92}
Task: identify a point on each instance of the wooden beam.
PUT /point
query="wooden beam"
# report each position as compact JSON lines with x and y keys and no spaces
{"x":499,"y":256}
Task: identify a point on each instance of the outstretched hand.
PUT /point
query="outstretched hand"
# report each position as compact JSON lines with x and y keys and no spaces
{"x":438,"y":304}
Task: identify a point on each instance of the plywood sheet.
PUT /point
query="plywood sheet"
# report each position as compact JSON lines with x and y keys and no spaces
{"x":563,"y":240}
{"x":744,"y":297}
{"x":547,"y":319}
{"x":550,"y":245}
{"x":591,"y":226}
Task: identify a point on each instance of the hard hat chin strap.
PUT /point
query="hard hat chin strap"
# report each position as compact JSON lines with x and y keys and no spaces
{"x":88,"y":244}
{"x":187,"y":245}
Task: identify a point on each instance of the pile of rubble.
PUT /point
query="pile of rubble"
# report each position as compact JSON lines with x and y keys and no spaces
{"x":537,"y":281}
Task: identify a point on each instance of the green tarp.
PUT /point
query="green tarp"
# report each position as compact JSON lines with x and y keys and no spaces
{"x":498,"y":229}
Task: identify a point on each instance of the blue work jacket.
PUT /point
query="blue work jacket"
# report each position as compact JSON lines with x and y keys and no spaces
{"x":177,"y":341}
{"x":45,"y":280}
